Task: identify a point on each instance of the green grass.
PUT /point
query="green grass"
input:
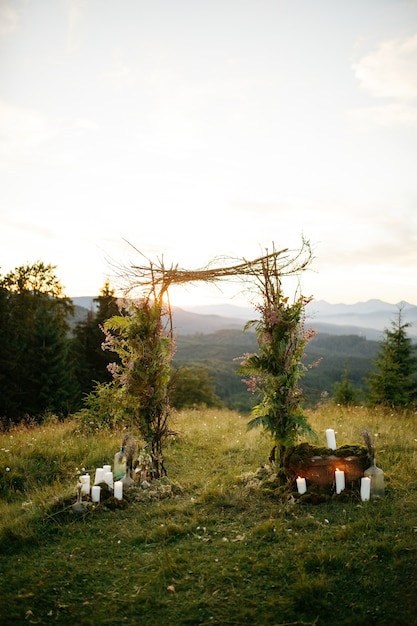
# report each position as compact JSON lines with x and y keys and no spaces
{"x":219,"y":550}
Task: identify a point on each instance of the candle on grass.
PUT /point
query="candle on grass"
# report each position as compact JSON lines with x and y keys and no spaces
{"x":99,"y":477}
{"x":365,"y":488}
{"x":85,"y":483}
{"x":340,"y":480}
{"x":331,"y":439}
{"x":107,"y":468}
{"x":301,"y":485}
{"x":95,"y":493}
{"x":118,"y":490}
{"x":108,"y":478}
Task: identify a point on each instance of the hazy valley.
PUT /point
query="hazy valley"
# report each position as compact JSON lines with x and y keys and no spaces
{"x":366,"y":319}
{"x":347,"y":341}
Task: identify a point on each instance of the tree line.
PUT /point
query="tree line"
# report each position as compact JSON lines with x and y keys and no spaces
{"x":44,"y":366}
{"x":48,"y":367}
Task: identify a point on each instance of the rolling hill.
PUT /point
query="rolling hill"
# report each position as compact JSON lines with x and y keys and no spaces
{"x":348,"y":340}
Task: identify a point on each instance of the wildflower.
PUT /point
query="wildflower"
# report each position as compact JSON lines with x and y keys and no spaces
{"x":113,"y":368}
{"x":309,"y":334}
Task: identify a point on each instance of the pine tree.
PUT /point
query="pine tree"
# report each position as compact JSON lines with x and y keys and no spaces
{"x":344,"y":392}
{"x":91,"y":360}
{"x":394,"y":382}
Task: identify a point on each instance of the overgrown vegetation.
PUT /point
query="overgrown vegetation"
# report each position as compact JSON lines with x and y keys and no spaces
{"x":213,"y":547}
{"x":273,"y":374}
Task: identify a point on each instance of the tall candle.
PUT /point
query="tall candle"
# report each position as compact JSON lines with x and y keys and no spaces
{"x":340,"y":480}
{"x":118,"y":490}
{"x":108,"y":478}
{"x":331,"y":439}
{"x":107,"y":468}
{"x":301,"y":485}
{"x":99,"y":477}
{"x":95,"y":493}
{"x":365,"y":488}
{"x":85,"y":483}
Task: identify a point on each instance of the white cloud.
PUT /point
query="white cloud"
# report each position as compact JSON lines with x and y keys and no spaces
{"x":9,"y":19}
{"x":390,"y":70}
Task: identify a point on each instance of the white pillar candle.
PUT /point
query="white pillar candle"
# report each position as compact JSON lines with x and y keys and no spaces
{"x":301,"y":485}
{"x":85,"y":483}
{"x":118,"y":490}
{"x":365,"y":488}
{"x":331,"y":439}
{"x":95,"y":493}
{"x":108,"y":478}
{"x":99,"y":477}
{"x":340,"y":480}
{"x":107,"y":468}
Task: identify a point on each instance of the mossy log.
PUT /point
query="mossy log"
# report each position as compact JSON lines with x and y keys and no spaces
{"x":318,"y":465}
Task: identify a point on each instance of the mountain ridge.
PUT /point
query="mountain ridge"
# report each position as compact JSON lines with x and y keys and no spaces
{"x":368,"y":319}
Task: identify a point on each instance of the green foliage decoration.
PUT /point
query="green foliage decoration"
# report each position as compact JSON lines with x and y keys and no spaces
{"x":139,"y":338}
{"x":275,"y":372}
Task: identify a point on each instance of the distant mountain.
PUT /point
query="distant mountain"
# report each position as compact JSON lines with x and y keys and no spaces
{"x":86,"y":302}
{"x":189,"y":323}
{"x":366,"y":319}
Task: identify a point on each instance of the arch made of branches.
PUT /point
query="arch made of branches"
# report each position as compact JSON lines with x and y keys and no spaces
{"x":264,"y":274}
{"x":152,"y":281}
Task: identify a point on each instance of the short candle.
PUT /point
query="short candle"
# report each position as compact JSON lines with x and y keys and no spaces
{"x":108,"y":478}
{"x":95,"y":493}
{"x":85,"y":483}
{"x":331,"y":439}
{"x":99,"y":477}
{"x":118,"y":490}
{"x":301,"y":485}
{"x":365,"y":488}
{"x":340,"y":480}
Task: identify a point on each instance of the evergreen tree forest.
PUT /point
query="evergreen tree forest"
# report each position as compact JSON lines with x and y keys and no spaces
{"x":49,"y":364}
{"x":89,"y":357}
{"x":45,"y":367}
{"x":36,"y":369}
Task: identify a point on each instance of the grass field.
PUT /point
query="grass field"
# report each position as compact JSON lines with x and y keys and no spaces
{"x":207,"y":546}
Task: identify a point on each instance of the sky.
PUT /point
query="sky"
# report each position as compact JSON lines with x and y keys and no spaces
{"x":187,"y":130}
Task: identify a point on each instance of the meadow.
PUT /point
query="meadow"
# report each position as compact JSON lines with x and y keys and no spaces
{"x":206,"y":545}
